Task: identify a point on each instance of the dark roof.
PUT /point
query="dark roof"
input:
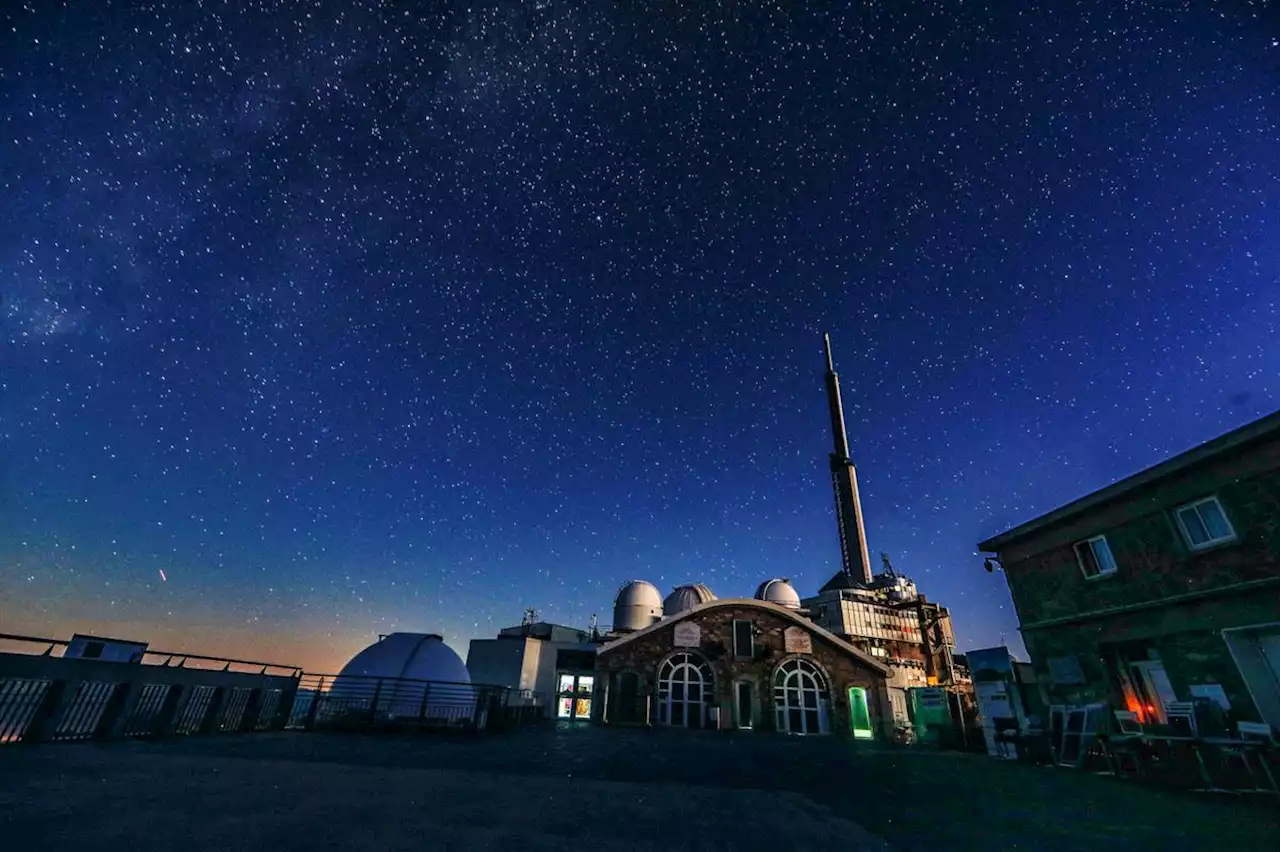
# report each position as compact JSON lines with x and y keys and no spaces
{"x":842,"y":580}
{"x":1237,"y":438}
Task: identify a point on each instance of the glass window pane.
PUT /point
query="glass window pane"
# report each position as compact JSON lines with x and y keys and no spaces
{"x":1214,"y":521}
{"x":1102,"y":553}
{"x":1088,"y":563}
{"x":1191,"y":523}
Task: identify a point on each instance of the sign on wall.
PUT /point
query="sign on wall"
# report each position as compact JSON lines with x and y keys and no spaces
{"x":796,"y":640}
{"x":688,"y":635}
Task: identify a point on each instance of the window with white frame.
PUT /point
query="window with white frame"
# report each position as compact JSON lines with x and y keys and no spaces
{"x":1204,"y":524}
{"x":1094,"y":556}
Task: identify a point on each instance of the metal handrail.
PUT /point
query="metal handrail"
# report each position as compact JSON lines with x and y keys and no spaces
{"x":169,"y":655}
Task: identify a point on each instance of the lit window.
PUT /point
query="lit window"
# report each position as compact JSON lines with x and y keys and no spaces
{"x":1204,"y":524}
{"x":743,"y":642}
{"x":1094,"y":556}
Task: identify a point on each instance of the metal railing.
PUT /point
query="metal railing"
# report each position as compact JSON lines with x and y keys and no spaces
{"x":44,"y":697}
{"x":356,"y":702}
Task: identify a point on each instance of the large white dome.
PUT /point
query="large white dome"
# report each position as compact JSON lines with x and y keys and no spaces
{"x":393,"y":671}
{"x":780,"y":592}
{"x":686,"y":597}
{"x":637,"y":605}
{"x":417,"y":656}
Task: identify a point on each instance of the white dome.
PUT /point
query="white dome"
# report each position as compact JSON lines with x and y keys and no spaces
{"x":687,"y":597}
{"x":407,"y":659}
{"x":637,"y":605}
{"x":780,"y":592}
{"x":417,"y":656}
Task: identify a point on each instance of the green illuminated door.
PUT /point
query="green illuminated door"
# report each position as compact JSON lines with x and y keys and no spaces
{"x":859,"y":715}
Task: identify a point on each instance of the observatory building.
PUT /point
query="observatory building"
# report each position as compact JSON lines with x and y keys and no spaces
{"x":839,"y":662}
{"x":747,"y":663}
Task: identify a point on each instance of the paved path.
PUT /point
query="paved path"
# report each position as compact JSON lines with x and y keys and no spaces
{"x":590,"y":788}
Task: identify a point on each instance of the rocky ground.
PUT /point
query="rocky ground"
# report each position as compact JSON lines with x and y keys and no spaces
{"x":588,"y":788}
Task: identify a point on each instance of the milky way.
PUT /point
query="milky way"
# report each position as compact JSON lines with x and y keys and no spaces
{"x":322,"y":320}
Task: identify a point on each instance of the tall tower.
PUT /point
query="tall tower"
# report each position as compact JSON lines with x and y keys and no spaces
{"x":844,"y":479}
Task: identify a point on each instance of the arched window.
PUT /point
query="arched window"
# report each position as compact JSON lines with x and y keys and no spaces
{"x":800,"y":697}
{"x":686,"y":689}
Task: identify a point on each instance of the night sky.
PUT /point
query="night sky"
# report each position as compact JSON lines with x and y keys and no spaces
{"x":361,"y":317}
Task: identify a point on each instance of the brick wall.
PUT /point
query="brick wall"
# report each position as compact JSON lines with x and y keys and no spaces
{"x":644,"y":655}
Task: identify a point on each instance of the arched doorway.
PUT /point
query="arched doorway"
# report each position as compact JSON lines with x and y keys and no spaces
{"x":686,"y":689}
{"x":800,"y":698}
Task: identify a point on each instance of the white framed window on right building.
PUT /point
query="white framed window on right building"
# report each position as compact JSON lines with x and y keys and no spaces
{"x":1094,"y":556}
{"x":1203,"y":523}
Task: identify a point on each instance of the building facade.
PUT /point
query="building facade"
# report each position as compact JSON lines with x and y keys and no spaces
{"x":742,"y":663}
{"x":1162,"y":587}
{"x":552,"y":662}
{"x":888,"y":619}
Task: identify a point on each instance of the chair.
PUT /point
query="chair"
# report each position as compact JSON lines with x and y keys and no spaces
{"x":1182,"y":717}
{"x":1263,"y":736}
{"x":1125,"y":741}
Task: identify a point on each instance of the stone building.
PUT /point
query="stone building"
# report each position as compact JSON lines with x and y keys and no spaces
{"x":1162,"y":587}
{"x":740,"y":663}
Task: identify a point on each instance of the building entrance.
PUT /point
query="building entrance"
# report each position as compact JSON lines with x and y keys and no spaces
{"x":573,"y":695}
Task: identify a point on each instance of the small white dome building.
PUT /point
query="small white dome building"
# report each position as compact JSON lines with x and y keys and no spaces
{"x":686,"y":597}
{"x":779,"y":591}
{"x":637,"y":605}
{"x":416,"y":656}
{"x":395,"y":669}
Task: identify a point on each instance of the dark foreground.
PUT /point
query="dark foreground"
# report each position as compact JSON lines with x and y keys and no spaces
{"x":587,"y":788}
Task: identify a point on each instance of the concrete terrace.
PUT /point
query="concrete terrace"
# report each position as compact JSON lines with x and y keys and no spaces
{"x":589,"y":788}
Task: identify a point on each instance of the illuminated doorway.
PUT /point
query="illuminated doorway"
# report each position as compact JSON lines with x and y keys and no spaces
{"x":573,"y":696}
{"x":859,"y":714}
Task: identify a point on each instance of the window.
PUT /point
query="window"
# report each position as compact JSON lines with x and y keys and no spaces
{"x":93,"y":650}
{"x":743,"y":641}
{"x":1204,"y":524}
{"x":800,"y":698}
{"x":1094,"y":556}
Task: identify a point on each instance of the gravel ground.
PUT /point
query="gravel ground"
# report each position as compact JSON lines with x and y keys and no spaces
{"x":594,"y":788}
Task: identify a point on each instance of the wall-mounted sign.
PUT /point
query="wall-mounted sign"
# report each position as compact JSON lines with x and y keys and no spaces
{"x":688,"y":635}
{"x":797,"y":640}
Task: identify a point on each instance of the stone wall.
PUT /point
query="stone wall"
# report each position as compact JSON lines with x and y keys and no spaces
{"x":644,"y":655}
{"x":1152,"y":560}
{"x":1187,"y":638}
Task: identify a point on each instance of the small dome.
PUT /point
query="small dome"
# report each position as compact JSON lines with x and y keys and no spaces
{"x":780,"y":592}
{"x":407,"y":659}
{"x":417,"y":656}
{"x":637,"y":605}
{"x":686,"y":597}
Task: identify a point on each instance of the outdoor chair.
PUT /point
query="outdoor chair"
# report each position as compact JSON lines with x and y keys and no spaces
{"x":1182,"y":718}
{"x":1124,"y":744}
{"x":1263,"y":742}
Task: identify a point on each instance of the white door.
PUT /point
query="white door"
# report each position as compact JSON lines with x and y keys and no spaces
{"x":1155,"y":683}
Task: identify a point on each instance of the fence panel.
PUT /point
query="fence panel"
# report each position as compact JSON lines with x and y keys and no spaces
{"x":79,"y":719}
{"x":19,"y":700}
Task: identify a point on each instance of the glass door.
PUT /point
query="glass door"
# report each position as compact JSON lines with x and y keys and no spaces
{"x":859,"y":715}
{"x":573,"y":696}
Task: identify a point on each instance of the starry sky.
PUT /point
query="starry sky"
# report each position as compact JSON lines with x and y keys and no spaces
{"x":352,"y":317}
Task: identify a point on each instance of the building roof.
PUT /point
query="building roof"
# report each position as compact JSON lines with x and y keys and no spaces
{"x":751,"y":603}
{"x":1260,"y":429}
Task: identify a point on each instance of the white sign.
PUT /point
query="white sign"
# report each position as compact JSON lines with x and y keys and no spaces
{"x":797,"y":640}
{"x":688,"y":635}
